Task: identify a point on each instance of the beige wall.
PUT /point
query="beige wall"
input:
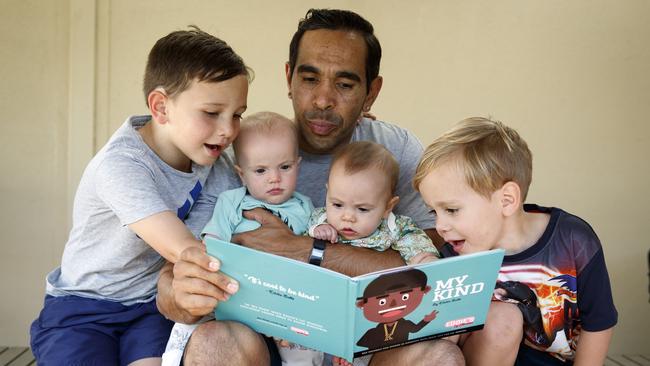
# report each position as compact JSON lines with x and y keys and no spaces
{"x":572,"y":77}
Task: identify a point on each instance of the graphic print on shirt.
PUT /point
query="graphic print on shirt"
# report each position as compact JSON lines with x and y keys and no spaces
{"x":184,"y":210}
{"x":556,"y":293}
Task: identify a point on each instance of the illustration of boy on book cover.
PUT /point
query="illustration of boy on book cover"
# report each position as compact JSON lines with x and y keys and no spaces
{"x":387,"y":300}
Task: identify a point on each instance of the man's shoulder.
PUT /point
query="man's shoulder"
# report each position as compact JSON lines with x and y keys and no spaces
{"x":380,"y":130}
{"x":400,"y":141}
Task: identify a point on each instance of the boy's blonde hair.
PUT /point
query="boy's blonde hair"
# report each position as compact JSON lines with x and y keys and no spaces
{"x":489,"y":152}
{"x":267,"y":124}
{"x":362,"y":155}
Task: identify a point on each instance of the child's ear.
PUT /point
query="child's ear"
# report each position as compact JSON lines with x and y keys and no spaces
{"x":240,"y":173}
{"x":510,"y":198}
{"x":391,"y":205}
{"x":157,"y":101}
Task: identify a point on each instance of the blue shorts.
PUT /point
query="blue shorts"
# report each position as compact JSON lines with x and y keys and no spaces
{"x":74,"y":330}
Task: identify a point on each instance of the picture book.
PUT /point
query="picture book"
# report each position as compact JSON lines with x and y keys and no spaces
{"x":353,"y":316}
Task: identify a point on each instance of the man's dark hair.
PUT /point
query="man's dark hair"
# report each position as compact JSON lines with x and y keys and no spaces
{"x":344,"y":20}
{"x":182,"y":56}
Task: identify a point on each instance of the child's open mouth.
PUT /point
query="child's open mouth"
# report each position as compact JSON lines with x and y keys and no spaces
{"x":214,"y":150}
{"x":457,"y":245}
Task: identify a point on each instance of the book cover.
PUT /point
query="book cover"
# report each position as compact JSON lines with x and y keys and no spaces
{"x":353,"y":316}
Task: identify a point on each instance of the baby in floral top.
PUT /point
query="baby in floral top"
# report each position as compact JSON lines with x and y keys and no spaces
{"x":359,"y":203}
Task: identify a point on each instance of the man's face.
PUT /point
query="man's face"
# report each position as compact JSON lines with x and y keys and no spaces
{"x":328,"y":88}
{"x":393,"y":306}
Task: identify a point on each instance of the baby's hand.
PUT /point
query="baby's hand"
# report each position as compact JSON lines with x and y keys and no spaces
{"x":337,"y":361}
{"x":422,"y":257}
{"x":326,"y":232}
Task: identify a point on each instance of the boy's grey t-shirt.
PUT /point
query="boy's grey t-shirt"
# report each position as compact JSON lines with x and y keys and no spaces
{"x":407,"y":149}
{"x":124,"y":183}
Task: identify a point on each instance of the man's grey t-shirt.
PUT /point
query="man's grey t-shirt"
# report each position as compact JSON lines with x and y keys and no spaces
{"x":124,"y":183}
{"x":406,"y":148}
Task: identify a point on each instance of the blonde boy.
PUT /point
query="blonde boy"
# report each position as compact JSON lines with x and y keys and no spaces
{"x":475,"y":178}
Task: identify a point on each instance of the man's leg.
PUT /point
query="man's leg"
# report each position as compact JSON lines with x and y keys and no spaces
{"x":498,"y":342}
{"x":226,"y":343}
{"x":438,"y":352}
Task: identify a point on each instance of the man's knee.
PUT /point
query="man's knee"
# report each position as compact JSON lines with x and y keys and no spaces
{"x":228,"y":343}
{"x":438,"y":352}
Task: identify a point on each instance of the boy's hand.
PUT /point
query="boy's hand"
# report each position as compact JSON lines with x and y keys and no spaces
{"x":198,"y":285}
{"x":326,"y":232}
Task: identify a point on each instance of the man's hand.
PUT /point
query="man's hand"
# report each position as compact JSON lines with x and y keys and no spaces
{"x":193,"y":287}
{"x":326,"y":232}
{"x":273,"y":237}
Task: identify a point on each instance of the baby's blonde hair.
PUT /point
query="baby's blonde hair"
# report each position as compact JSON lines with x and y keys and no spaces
{"x":362,"y":155}
{"x":489,"y":152}
{"x":267,"y":124}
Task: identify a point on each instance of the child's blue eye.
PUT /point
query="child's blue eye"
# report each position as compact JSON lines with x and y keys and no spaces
{"x":285,"y":167}
{"x":363,"y":209}
{"x":337,"y":205}
{"x":260,"y":171}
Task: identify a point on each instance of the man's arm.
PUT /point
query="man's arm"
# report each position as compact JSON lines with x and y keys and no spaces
{"x":192,"y":287}
{"x":274,"y":237}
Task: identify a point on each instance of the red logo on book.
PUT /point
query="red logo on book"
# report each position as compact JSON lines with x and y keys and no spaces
{"x":300,"y":331}
{"x":459,"y":322}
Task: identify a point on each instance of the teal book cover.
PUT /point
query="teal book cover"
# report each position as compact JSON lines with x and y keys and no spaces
{"x":353,"y":316}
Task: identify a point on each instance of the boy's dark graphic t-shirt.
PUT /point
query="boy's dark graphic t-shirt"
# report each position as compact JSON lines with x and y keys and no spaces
{"x":566,"y":271}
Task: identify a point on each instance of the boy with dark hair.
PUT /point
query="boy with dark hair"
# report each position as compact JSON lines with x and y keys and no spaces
{"x":100,"y":306}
